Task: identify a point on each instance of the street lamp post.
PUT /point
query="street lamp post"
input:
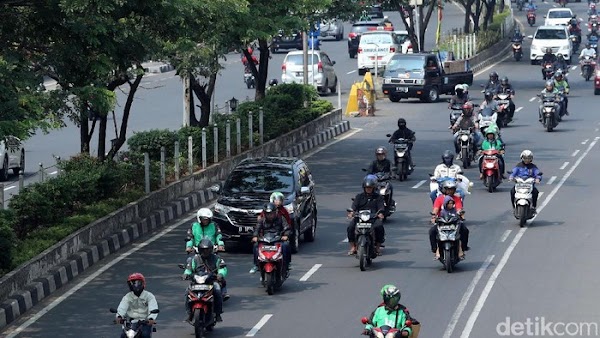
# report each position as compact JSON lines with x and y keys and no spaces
{"x":233,"y":104}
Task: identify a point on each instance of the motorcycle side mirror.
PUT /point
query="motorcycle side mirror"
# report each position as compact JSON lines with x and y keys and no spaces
{"x":462,"y":212}
{"x":530,"y":36}
{"x":544,"y":16}
{"x":364,"y":320}
{"x":541,"y":173}
{"x":476,"y":105}
{"x":112,"y":310}
{"x":363,"y":169}
{"x":181,"y":266}
{"x":388,"y":135}
{"x":155,"y":311}
{"x":430,"y":175}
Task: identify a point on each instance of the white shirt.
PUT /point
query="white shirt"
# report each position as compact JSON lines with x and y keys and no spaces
{"x":139,"y":308}
{"x":443,"y":170}
{"x":587,"y":52}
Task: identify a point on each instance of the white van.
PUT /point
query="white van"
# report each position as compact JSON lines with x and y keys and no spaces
{"x":378,"y":45}
{"x":319,"y":65}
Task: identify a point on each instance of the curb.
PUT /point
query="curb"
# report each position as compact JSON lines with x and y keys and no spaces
{"x":20,"y":302}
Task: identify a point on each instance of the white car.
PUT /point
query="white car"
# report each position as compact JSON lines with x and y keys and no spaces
{"x":320,"y":70}
{"x":13,"y":156}
{"x":558,"y":16}
{"x":554,"y":37}
{"x":378,"y":45}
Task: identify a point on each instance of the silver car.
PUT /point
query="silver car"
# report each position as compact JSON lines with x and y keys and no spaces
{"x":333,"y":28}
{"x":320,"y":70}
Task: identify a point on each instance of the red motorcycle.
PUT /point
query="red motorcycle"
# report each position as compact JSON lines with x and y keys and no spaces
{"x":386,"y":331}
{"x":548,"y":69}
{"x":490,"y":167}
{"x":531,"y":17}
{"x":273,"y":270}
{"x":200,"y":295}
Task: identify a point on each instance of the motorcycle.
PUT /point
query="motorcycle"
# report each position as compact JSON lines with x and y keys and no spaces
{"x":575,"y":40}
{"x":462,"y":183}
{"x":365,"y":244}
{"x":386,"y":331}
{"x":402,"y":158}
{"x":200,"y":295}
{"x":448,"y":240}
{"x":486,"y":118}
{"x":455,"y":112}
{"x":127,"y":325}
{"x":593,"y":40}
{"x":384,"y":189}
{"x":504,"y":100}
{"x":491,"y":169}
{"x":548,"y":69}
{"x":249,"y":79}
{"x":531,"y":18}
{"x":517,"y":50}
{"x":522,"y":209}
{"x":520,"y":5}
{"x":273,"y":270}
{"x":548,"y":111}
{"x":465,"y":140}
{"x":587,"y":67}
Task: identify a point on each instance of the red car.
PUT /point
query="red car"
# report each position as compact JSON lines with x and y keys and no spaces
{"x":597,"y":80}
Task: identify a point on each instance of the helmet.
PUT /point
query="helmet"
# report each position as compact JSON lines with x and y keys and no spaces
{"x":527,"y":155}
{"x":401,"y":123}
{"x":466,"y":87}
{"x":489,"y":95}
{"x":381,"y":150}
{"x":493,"y":76}
{"x":459,"y":89}
{"x":448,"y":184}
{"x":492,"y":129}
{"x":588,"y":45}
{"x":504,"y":81}
{"x":204,"y":213}
{"x":560,"y":57}
{"x":205,"y":247}
{"x":391,"y":296}
{"x":370,"y":181}
{"x":550,"y":84}
{"x":468,"y":108}
{"x":273,"y":82}
{"x":548,"y":50}
{"x":270,"y":210}
{"x":447,"y":157}
{"x":276,"y":196}
{"x":137,"y":283}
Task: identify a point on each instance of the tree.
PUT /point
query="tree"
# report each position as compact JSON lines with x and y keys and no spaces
{"x":408,"y":19}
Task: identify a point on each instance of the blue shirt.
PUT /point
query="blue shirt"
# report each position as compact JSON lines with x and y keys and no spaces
{"x":525,"y":171}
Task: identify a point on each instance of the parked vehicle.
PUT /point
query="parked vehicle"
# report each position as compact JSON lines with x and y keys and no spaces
{"x":321,"y":73}
{"x":358,"y":28}
{"x":12,"y":153}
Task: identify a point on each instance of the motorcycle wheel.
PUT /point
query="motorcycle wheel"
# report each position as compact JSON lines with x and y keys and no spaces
{"x":270,"y":282}
{"x":587,"y":74}
{"x":549,"y":125}
{"x":489,"y":182}
{"x":522,"y":212}
{"x":448,"y":260}
{"x":362,"y":258}
{"x":401,"y":174}
{"x":248,"y":84}
{"x":199,"y":323}
{"x":518,"y":57}
{"x":465,"y":158}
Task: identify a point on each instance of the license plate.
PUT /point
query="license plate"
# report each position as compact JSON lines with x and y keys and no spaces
{"x":269,"y":248}
{"x":363,"y":225}
{"x":502,"y":101}
{"x":245,"y":229}
{"x":299,"y":73}
{"x":201,"y":287}
{"x":402,"y":89}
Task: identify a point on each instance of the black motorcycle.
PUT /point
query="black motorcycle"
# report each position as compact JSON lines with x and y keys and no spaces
{"x":517,"y":47}
{"x":249,"y":79}
{"x":127,"y":325}
{"x":448,"y":240}
{"x":548,"y":111}
{"x":384,"y":189}
{"x":402,"y":158}
{"x":365,"y":244}
{"x":465,"y":143}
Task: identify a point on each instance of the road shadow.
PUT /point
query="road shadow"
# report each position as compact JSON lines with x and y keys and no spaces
{"x":537,"y":223}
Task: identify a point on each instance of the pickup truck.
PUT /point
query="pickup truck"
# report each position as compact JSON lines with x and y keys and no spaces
{"x":423,"y":76}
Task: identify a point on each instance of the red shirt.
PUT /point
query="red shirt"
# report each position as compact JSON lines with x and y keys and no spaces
{"x":439,"y":201}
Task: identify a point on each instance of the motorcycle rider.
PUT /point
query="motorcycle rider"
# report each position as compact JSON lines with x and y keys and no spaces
{"x":137,"y":305}
{"x":278,"y":199}
{"x":371,"y":200}
{"x":210,"y":263}
{"x":488,"y":101}
{"x":587,"y":51}
{"x":492,"y":84}
{"x":561,"y":83}
{"x":460,"y":97}
{"x":446,"y":169}
{"x":390,"y":311}
{"x":492,"y":142}
{"x":382,"y":165}
{"x":405,"y":133}
{"x":548,"y":58}
{"x":467,"y":120}
{"x":531,"y":7}
{"x":507,"y":88}
{"x":561,"y":64}
{"x":517,"y":36}
{"x":245,"y":59}
{"x":524,"y":170}
{"x":549,"y":90}
{"x":449,"y":190}
{"x":272,"y":222}
{"x":592,"y":10}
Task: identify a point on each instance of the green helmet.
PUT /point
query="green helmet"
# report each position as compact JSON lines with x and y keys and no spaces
{"x":492,"y":129}
{"x":276,"y":196}
{"x":391,"y":295}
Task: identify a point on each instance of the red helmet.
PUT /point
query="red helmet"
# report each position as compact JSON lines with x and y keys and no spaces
{"x":468,"y":107}
{"x":137,"y":288}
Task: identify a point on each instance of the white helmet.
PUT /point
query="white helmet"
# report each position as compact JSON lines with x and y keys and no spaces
{"x":527,"y":155}
{"x":465,"y":87}
{"x":204,"y":213}
{"x":459,"y":86}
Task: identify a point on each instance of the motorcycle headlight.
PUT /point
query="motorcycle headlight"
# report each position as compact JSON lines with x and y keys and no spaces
{"x":221,"y":209}
{"x":489,"y":165}
{"x":365,"y":217}
{"x":464,"y":138}
{"x":400,"y":153}
{"x":200,"y":279}
{"x":547,"y":109}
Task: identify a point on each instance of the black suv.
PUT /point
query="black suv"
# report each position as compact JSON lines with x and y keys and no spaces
{"x":376,"y":11}
{"x":248,"y":188}
{"x":358,"y":28}
{"x":282,"y":41}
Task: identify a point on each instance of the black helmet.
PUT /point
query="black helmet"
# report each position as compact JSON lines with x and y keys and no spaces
{"x":273,"y":82}
{"x":447,"y":157}
{"x":401,"y":123}
{"x":370,"y":181}
{"x":489,"y":95}
{"x":493,"y":76}
{"x":270,"y":210}
{"x":504,"y":81}
{"x":548,"y":50}
{"x":205,"y":247}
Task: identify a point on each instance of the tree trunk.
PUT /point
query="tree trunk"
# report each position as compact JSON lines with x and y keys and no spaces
{"x":262,"y":72}
{"x":102,"y":138}
{"x":84,"y":128}
{"x":133,"y":87}
{"x":409,"y":24}
{"x":204,"y":93}
{"x":425,"y":20}
{"x":477,"y":15}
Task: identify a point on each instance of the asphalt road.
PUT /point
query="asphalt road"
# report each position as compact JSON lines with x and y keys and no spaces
{"x":159,"y":102}
{"x":510,"y":272}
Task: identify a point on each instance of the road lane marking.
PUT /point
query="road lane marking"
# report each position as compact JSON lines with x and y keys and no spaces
{"x":531,"y":99}
{"x":585,"y":141}
{"x":319,"y":149}
{"x":466,"y":296}
{"x":352,"y":71}
{"x":574,"y":67}
{"x":8,"y":188}
{"x":310,"y":272}
{"x":575,"y":153}
{"x":505,"y":235}
{"x":564,"y":165}
{"x":54,"y":172}
{"x":91,"y":277}
{"x":518,"y":109}
{"x":551,"y":180}
{"x":419,"y":184}
{"x":259,"y":325}
{"x":490,"y":283}
{"x":344,"y":241}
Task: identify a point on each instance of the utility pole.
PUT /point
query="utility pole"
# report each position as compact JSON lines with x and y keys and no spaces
{"x":186,"y":100}
{"x":305,"y":58}
{"x":417,"y":17}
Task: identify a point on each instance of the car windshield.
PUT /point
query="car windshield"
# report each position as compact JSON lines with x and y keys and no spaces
{"x":405,"y":65}
{"x":380,"y":39}
{"x":551,"y":34}
{"x":401,"y":38}
{"x":263,"y":180}
{"x":559,"y":15}
{"x":297,"y":59}
{"x":363,"y":28}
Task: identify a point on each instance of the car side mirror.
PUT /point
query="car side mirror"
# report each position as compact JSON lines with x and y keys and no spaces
{"x":363,"y":169}
{"x":544,"y":16}
{"x":215,"y":188}
{"x":305,"y":190}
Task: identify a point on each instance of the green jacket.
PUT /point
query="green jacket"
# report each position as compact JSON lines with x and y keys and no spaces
{"x":198,"y":233}
{"x":395,"y":319}
{"x":213,"y":264}
{"x":562,"y":84}
{"x":496,"y":145}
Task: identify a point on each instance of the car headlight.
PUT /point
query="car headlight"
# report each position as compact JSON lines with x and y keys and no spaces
{"x":387,"y":80}
{"x":221,"y":209}
{"x":290,"y":208}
